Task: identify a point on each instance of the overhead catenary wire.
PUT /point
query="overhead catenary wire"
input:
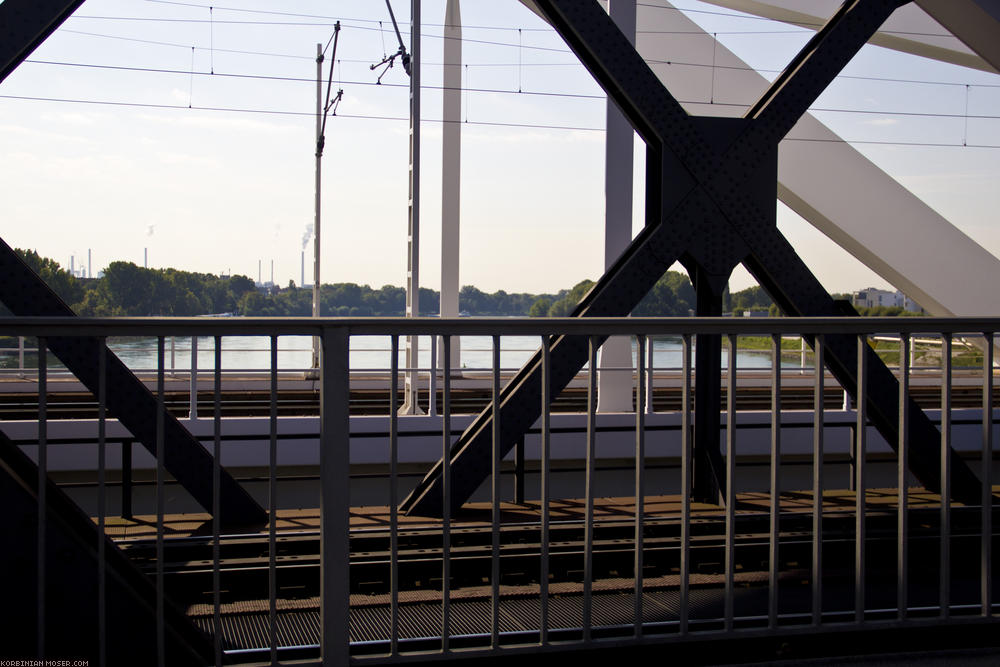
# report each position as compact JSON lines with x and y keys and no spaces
{"x":538,"y":126}
{"x":467,"y":88}
{"x":746,"y":68}
{"x":803,"y":26}
{"x":519,"y":65}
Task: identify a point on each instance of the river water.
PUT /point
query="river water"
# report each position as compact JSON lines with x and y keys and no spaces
{"x":372,"y":353}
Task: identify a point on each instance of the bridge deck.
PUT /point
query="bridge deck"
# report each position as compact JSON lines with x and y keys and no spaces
{"x":244,"y":568}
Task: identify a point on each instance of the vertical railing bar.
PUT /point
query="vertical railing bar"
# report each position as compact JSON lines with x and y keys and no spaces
{"x":272,"y":508}
{"x":393,"y":495}
{"x":819,"y":352}
{"x":446,"y":494}
{"x":217,"y":502}
{"x":987,"y":477}
{"x":335,"y":498}
{"x":126,"y":479}
{"x":160,"y":502}
{"x":519,"y":471}
{"x":772,"y":593}
{"x":640,"y":473}
{"x":685,"y":481}
{"x":193,"y":392}
{"x":945,"y":558}
{"x":43,"y":475}
{"x":545,"y":491}
{"x":588,"y":534}
{"x":173,"y":355}
{"x":730,"y":480}
{"x":902,"y":488}
{"x":20,"y":355}
{"x":649,"y":376}
{"x":859,"y":484}
{"x":432,"y":380}
{"x":495,"y":502}
{"x":102,"y":389}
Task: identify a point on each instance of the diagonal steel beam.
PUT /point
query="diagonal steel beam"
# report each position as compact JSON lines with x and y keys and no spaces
{"x":785,"y":277}
{"x":817,"y":64}
{"x":25,"y":294}
{"x":623,"y":286}
{"x":710,"y":174}
{"x":24,"y":24}
{"x":72,"y":560}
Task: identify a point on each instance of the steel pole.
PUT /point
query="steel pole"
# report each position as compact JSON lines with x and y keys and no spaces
{"x":319,"y":171}
{"x":410,"y":406}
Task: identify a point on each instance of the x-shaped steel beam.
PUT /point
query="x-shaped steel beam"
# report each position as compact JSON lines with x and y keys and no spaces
{"x":711,"y":191}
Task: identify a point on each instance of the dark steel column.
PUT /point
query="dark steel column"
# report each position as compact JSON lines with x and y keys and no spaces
{"x":709,"y":482}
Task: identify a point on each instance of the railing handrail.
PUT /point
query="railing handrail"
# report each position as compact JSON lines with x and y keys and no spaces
{"x":490,"y":326}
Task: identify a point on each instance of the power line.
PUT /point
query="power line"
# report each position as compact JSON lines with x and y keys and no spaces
{"x":542,"y":126}
{"x":326,"y":17}
{"x":746,"y":68}
{"x":264,"y":77}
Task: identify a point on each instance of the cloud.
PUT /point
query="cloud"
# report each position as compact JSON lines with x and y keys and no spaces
{"x":881,"y":122}
{"x":219,"y":121}
{"x":78,"y":119}
{"x":173,"y":158}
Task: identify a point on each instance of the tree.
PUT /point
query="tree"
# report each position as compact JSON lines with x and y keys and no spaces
{"x":564,"y":306}
{"x":540,"y":308}
{"x":671,"y":296}
{"x":60,"y":280}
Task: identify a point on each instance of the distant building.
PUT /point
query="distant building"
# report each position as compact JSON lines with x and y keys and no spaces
{"x":872,"y":298}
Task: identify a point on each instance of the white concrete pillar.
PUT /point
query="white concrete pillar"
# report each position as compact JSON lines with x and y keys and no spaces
{"x":451,"y":172}
{"x":614,"y":388}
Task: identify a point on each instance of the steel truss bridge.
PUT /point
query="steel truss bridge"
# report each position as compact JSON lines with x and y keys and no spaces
{"x":455,"y":571}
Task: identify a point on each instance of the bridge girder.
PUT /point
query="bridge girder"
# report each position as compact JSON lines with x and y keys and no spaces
{"x":713,"y":186}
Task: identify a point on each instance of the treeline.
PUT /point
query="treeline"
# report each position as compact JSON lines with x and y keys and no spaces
{"x":125,"y":289}
{"x":672,"y":296}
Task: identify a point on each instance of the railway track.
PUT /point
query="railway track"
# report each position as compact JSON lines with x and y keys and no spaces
{"x":244,"y":561}
{"x":82,"y":405}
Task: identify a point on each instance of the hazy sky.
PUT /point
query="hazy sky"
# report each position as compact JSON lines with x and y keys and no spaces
{"x":219,"y":191}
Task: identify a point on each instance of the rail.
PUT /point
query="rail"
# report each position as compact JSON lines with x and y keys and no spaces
{"x":801,"y":595}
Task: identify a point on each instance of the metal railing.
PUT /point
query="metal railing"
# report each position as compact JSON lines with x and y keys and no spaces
{"x":659,"y":596}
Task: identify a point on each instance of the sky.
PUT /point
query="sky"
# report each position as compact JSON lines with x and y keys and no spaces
{"x":188,"y":128}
